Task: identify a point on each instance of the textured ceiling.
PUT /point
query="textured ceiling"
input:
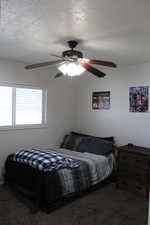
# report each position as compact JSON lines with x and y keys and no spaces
{"x":117,"y":30}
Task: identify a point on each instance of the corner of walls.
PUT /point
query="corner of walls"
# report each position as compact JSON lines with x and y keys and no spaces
{"x":118,"y":121}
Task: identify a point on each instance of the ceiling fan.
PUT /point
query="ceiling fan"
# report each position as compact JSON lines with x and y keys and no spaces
{"x":72,"y":63}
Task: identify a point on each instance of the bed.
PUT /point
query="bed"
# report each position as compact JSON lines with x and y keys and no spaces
{"x":47,"y":188}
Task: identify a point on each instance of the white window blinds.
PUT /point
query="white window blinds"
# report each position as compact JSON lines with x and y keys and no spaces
{"x":28,"y":106}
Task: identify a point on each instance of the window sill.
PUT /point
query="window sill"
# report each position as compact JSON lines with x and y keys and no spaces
{"x":23,"y":127}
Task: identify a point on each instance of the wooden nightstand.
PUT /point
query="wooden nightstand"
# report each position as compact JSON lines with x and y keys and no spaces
{"x":133,"y":169}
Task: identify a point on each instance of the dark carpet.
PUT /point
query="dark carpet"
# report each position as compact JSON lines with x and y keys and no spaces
{"x":104,"y":206}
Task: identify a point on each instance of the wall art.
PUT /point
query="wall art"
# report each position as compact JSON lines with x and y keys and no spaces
{"x":101,"y":100}
{"x":138,"y":99}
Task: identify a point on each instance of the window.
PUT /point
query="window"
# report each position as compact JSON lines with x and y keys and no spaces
{"x":21,"y":106}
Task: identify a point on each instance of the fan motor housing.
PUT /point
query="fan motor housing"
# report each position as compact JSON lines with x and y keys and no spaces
{"x":72,"y":53}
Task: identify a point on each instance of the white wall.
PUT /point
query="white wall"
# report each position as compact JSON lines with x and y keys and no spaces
{"x":60,"y":109}
{"x":119,"y":122}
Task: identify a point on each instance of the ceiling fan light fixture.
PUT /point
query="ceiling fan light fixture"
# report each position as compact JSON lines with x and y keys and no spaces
{"x":63,"y":68}
{"x":71,"y":69}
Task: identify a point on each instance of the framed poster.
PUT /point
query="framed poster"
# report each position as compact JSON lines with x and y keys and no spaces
{"x":138,"y":99}
{"x":101,"y":100}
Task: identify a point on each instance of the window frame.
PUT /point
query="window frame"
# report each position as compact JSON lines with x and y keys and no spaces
{"x":25,"y":126}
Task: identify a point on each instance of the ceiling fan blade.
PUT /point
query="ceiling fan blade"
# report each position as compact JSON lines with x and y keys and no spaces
{"x":92,"y":70}
{"x":99,"y":62}
{"x":59,"y":74}
{"x":33,"y":66}
{"x":58,"y":56}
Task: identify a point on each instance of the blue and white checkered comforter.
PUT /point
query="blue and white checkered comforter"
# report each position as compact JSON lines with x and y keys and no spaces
{"x":44,"y":160}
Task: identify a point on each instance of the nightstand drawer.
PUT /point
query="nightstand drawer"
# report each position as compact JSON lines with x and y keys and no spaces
{"x":140,"y":178}
{"x":131,"y":168}
{"x":133,"y":160}
{"x":131,"y":185}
